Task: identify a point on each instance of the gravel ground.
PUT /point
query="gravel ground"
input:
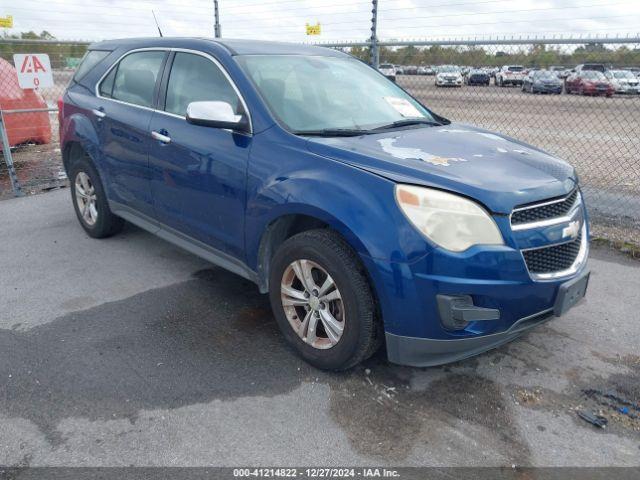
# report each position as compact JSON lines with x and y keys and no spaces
{"x":127,"y":351}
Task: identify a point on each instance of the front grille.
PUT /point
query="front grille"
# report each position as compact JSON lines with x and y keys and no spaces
{"x":544,"y":212}
{"x":554,"y":258}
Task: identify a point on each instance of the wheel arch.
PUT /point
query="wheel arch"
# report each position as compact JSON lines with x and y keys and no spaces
{"x":286,"y":225}
{"x":78,"y":131}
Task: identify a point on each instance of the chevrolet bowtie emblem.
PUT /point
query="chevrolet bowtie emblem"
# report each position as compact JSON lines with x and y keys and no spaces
{"x":571,"y":230}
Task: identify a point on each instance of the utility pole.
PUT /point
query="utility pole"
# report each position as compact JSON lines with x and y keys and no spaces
{"x":375,"y":54}
{"x":216,"y":26}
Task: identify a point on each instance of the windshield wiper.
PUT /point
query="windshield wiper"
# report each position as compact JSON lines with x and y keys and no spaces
{"x":408,"y":122}
{"x":333,"y":132}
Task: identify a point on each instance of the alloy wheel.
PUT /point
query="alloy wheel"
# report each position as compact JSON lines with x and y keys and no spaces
{"x":312,"y":304}
{"x":86,"y":198}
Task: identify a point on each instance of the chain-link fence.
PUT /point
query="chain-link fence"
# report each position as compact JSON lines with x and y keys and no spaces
{"x":576,"y":98}
{"x":29,"y":117}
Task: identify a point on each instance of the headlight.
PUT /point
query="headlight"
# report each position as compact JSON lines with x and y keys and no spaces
{"x":451,"y":221}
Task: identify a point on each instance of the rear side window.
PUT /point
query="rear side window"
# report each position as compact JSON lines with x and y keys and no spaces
{"x":134,"y":78}
{"x":195,"y":78}
{"x":90,"y":60}
{"x":106,"y":87}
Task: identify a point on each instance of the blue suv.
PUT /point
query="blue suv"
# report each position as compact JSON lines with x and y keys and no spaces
{"x":365,"y":216}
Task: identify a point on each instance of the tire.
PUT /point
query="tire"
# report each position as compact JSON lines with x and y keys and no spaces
{"x":105,"y":223}
{"x":362,"y":330}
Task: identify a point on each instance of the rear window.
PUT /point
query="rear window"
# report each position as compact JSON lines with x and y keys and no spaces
{"x":90,"y":60}
{"x":595,"y":67}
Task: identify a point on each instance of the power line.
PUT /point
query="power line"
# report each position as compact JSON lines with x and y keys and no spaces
{"x":413,"y":17}
{"x":363,"y":26}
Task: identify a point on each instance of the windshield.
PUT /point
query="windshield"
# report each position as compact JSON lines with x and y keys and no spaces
{"x":448,"y":69}
{"x":386,"y":66}
{"x":593,"y":75}
{"x":311,"y":93}
{"x":623,"y":74}
{"x":516,"y":69}
{"x":545,"y":75}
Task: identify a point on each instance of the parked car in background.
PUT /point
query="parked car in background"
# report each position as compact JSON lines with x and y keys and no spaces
{"x":477,"y":77}
{"x":542,"y":81}
{"x":589,"y":82}
{"x":634,"y":70}
{"x":388,"y":70}
{"x":410,"y":70}
{"x":448,"y":76}
{"x":510,"y":75}
{"x":590,"y":67}
{"x":623,"y":81}
{"x":560,"y":71}
{"x":32,"y":127}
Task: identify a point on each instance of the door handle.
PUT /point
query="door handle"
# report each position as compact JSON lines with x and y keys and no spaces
{"x":160,"y":137}
{"x":99,"y":113}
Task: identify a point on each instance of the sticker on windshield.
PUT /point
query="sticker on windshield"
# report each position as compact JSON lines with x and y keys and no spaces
{"x":403,"y":106}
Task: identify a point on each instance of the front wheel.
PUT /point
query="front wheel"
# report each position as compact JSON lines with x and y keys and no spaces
{"x":322,"y":300}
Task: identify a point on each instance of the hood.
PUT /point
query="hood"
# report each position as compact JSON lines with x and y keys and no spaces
{"x":496,"y":170}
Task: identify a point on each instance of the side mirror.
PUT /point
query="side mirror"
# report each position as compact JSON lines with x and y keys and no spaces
{"x":216,"y":115}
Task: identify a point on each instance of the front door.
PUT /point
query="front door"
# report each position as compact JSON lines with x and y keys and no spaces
{"x":198,"y":174}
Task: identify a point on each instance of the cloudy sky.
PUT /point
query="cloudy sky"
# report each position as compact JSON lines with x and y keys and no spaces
{"x":339,"y":19}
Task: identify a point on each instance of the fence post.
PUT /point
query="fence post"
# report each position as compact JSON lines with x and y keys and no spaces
{"x":6,"y":150}
{"x":375,"y":58}
{"x":217,"y":31}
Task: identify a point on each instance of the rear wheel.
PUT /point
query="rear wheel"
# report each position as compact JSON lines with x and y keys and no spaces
{"x":90,"y":201}
{"x":322,"y":300}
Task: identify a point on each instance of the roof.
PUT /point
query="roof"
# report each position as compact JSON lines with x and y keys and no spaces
{"x":234,"y":47}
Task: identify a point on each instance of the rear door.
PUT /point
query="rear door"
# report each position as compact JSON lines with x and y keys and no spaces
{"x":199,"y":173}
{"x":127,"y":95}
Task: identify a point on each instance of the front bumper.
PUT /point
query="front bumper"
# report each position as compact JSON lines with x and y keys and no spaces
{"x":423,"y":352}
{"x":628,"y":89}
{"x":491,"y":278}
{"x":541,"y":88}
{"x":448,"y":83}
{"x":426,"y":352}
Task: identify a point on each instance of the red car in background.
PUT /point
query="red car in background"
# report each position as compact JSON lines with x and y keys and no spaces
{"x":32,"y":127}
{"x":589,"y":82}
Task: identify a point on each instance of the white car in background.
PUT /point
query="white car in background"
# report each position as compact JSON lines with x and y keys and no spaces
{"x":388,"y":70}
{"x":510,"y":75}
{"x":623,"y":81}
{"x":448,"y":76}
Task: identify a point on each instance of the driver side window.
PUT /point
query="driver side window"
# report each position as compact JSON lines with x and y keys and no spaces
{"x":195,"y":78}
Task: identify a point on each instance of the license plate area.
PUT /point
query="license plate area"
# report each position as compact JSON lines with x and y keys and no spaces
{"x":570,"y":293}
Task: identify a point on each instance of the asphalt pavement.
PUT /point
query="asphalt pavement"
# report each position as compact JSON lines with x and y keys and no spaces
{"x":128,"y":351}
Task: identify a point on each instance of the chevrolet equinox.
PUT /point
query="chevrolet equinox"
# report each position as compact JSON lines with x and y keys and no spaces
{"x":365,"y":216}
